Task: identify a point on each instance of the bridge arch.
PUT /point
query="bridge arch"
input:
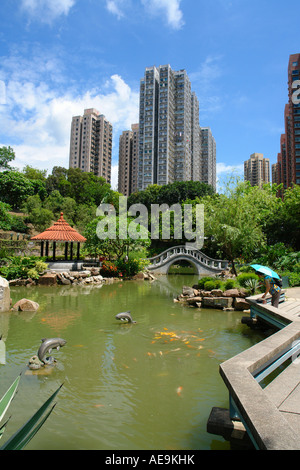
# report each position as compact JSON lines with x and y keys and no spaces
{"x":204,"y":264}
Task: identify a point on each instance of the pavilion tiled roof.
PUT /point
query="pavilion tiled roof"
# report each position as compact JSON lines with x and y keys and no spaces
{"x":61,"y":231}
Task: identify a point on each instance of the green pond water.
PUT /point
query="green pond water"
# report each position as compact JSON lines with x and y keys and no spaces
{"x":149,"y":385}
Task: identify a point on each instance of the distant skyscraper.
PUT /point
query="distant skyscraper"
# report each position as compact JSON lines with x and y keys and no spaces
{"x":208,"y":157}
{"x":288,"y":160}
{"x":128,"y":161}
{"x":91,"y":144}
{"x":169,"y":130}
{"x":257,"y":170}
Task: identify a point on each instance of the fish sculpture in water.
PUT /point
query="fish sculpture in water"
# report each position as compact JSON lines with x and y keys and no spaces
{"x":125,"y":316}
{"x":48,"y":344}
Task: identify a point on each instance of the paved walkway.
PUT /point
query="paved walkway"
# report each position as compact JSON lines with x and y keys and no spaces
{"x":293,"y":292}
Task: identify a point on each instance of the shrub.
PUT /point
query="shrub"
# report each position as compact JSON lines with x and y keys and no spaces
{"x":229,"y":284}
{"x":209,"y":285}
{"x":218,"y":284}
{"x":243,"y":278}
{"x":252,"y":285}
{"x":40,"y":266}
{"x":130,"y":267}
{"x":109,"y":269}
{"x":203,"y":280}
{"x":32,"y":273}
{"x":18,"y":267}
{"x":294,"y":278}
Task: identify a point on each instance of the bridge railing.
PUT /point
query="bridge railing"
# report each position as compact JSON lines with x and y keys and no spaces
{"x":177,"y":251}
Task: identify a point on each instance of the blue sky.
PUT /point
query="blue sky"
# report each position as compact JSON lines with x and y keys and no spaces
{"x":58,"y":57}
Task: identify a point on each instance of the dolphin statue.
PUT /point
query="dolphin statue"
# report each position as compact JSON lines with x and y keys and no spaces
{"x":48,"y":344}
{"x":125,"y":316}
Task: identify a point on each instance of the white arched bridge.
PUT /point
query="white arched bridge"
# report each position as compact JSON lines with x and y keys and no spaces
{"x":161,"y":264}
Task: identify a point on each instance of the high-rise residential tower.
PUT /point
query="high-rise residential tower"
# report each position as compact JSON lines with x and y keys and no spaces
{"x":91,"y":144}
{"x":208,"y":164}
{"x":128,"y":160}
{"x":288,"y":160}
{"x":257,"y":170}
{"x":169,"y":130}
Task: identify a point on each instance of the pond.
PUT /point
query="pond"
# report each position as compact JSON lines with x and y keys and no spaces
{"x":149,"y":385}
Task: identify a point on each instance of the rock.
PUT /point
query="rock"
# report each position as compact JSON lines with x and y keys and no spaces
{"x":95,"y":271}
{"x":49,"y":279}
{"x":241,"y":304}
{"x":217,"y":302}
{"x":188,"y":291}
{"x":217,"y":292}
{"x":25,"y":305}
{"x":84,"y":274}
{"x":34,"y":363}
{"x":4,"y":295}
{"x":193,"y":300}
{"x":206,"y":293}
{"x":243,"y":292}
{"x":231,"y":293}
{"x":139,"y":277}
{"x":18,"y":282}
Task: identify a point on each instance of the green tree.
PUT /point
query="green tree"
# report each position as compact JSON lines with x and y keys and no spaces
{"x":284,"y":224}
{"x":15,"y":188}
{"x":5,"y":217}
{"x":7,"y":155}
{"x":234,"y":222}
{"x":112,"y":247}
{"x":34,"y":173}
{"x":170,"y":194}
{"x":54,"y":203}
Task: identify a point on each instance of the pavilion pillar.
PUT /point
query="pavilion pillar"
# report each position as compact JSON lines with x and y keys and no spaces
{"x":54,"y":248}
{"x":66,"y":251}
{"x":78,"y":250}
{"x":47,"y":249}
{"x":42,"y":249}
{"x":71,"y":251}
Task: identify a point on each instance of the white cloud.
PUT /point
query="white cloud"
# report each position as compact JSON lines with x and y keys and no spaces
{"x":223,"y":168}
{"x":2,"y":92}
{"x":114,"y":7}
{"x":47,"y":10}
{"x":170,"y":8}
{"x":36,"y":119}
{"x":114,"y":177}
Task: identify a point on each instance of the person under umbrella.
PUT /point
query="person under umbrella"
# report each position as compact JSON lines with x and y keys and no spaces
{"x":269,"y":279}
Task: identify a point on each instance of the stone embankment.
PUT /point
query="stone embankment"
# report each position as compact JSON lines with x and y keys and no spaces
{"x":232,"y":299}
{"x":89,"y":276}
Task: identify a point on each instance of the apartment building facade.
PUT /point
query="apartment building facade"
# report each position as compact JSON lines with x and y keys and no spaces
{"x":257,"y":170}
{"x":208,"y":170}
{"x":288,"y":159}
{"x":169,"y":130}
{"x":128,"y":160}
{"x":91,"y":144}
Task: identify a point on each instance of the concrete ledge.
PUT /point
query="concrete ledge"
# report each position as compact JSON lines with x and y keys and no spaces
{"x":269,"y":428}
